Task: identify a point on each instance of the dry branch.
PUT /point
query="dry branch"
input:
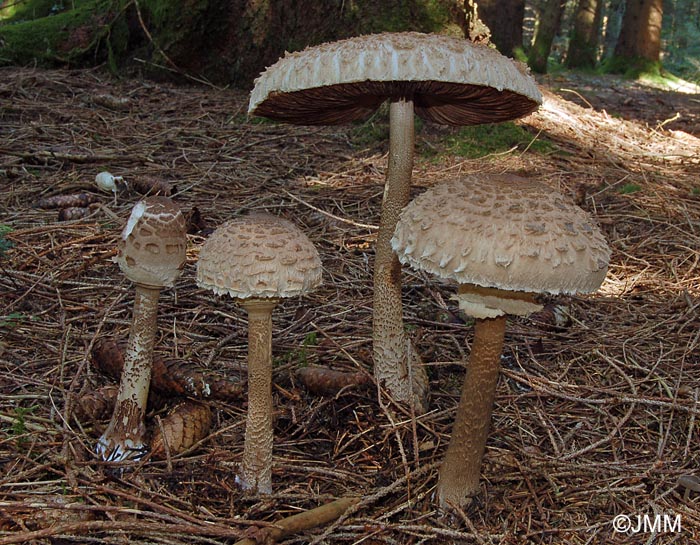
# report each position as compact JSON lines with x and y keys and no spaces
{"x":299,"y":523}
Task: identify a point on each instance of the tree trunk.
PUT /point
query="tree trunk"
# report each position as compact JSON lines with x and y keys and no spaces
{"x":612,"y":24}
{"x":638,"y":47}
{"x":228,"y":43}
{"x":640,"y":35}
{"x":550,"y":17}
{"x":505,"y":20}
{"x":583,"y":47}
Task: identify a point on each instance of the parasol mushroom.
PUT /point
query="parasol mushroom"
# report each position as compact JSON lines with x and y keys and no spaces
{"x":258,"y":259}
{"x":503,"y":239}
{"x":445,"y":80}
{"x":152,"y":253}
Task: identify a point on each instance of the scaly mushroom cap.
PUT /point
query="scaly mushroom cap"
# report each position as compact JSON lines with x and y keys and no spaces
{"x":503,"y":232}
{"x":258,"y":255}
{"x":452,"y":81}
{"x":153,"y":245}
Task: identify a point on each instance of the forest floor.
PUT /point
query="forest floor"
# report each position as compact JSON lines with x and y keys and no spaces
{"x":596,"y":415}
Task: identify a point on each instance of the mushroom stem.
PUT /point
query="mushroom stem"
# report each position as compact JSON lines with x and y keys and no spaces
{"x":459,"y":473}
{"x":123,"y":438}
{"x":397,"y":365}
{"x":256,"y":468}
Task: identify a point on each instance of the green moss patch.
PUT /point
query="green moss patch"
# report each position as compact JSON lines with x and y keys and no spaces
{"x":57,"y":39}
{"x":480,"y":140}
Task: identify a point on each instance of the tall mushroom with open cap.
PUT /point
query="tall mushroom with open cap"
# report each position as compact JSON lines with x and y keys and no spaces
{"x":503,"y":239}
{"x":443,"y":79}
{"x":152,"y":253}
{"x":258,"y":259}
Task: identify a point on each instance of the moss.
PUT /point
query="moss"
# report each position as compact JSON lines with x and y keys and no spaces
{"x":633,"y":68}
{"x":58,"y":39}
{"x":629,"y":188}
{"x":480,"y":140}
{"x":28,"y":10}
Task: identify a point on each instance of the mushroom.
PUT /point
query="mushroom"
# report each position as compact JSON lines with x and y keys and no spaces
{"x":152,"y":252}
{"x":503,"y":239}
{"x":258,"y":259}
{"x":446,"y":80}
{"x":106,"y":181}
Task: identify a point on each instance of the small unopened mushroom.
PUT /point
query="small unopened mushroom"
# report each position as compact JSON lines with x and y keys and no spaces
{"x":503,"y":239}
{"x":152,"y":252}
{"x":106,"y":181}
{"x":443,"y":79}
{"x":258,"y":259}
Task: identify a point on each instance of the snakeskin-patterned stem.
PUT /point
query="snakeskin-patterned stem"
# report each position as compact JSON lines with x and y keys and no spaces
{"x":458,"y":478}
{"x":123,"y":438}
{"x":256,"y":468}
{"x":397,"y":365}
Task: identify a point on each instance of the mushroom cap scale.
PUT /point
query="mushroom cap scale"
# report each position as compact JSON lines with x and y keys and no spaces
{"x":259,"y":256}
{"x":152,"y":249}
{"x":452,"y":81}
{"x":504,"y":232}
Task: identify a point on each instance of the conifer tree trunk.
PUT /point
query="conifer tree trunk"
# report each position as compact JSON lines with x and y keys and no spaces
{"x":583,"y":47}
{"x":550,"y":17}
{"x":639,"y":42}
{"x":505,"y":20}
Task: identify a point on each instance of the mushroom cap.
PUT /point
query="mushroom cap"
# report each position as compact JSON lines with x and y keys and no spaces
{"x":258,"y":256}
{"x":451,"y":81}
{"x":153,"y":245}
{"x":503,"y":232}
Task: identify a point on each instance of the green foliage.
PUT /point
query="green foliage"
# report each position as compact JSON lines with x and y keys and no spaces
{"x":480,"y":140}
{"x":695,"y":191}
{"x":299,"y":356}
{"x":629,"y":188}
{"x":4,"y":243}
{"x":372,"y":132}
{"x":18,"y":427}
{"x":27,"y":10}
{"x":12,"y":320}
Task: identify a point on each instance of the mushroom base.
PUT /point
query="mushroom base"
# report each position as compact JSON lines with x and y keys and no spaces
{"x":123,"y":443}
{"x":458,"y":479}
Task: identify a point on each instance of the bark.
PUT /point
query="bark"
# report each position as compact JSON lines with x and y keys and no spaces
{"x":222,"y":42}
{"x":505,"y":20}
{"x":397,"y":366}
{"x":256,"y":468}
{"x":583,"y":47}
{"x":550,"y":18}
{"x":612,"y":25}
{"x":639,"y":43}
{"x":458,"y":479}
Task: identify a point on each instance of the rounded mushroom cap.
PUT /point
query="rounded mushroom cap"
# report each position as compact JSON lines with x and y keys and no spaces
{"x":153,"y":245}
{"x":504,"y":232}
{"x":260,"y":256}
{"x":451,"y":81}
